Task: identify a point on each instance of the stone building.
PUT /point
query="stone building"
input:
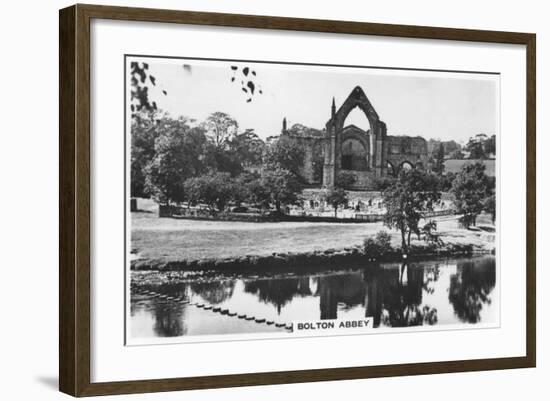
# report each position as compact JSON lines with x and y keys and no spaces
{"x":365,"y":154}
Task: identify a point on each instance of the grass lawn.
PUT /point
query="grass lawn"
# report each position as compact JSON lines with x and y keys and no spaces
{"x":171,"y":239}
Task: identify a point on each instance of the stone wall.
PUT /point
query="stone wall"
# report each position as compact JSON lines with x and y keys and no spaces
{"x":406,"y":150}
{"x":363,"y":179}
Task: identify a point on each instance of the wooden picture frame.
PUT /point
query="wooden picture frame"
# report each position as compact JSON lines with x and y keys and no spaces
{"x":74,"y":199}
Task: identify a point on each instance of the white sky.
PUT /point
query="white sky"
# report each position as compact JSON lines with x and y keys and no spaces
{"x":431,"y":104}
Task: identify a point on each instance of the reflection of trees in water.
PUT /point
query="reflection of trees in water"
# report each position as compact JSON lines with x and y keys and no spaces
{"x":394,"y":296}
{"x":171,"y":289}
{"x":470,"y":288}
{"x":278,"y":291}
{"x":168,"y":319}
{"x":348,"y":289}
{"x":431,"y":275}
{"x":402,"y":300}
{"x":214,"y":292}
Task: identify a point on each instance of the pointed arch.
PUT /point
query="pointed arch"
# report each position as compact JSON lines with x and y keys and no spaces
{"x":372,"y":140}
{"x":356,"y":98}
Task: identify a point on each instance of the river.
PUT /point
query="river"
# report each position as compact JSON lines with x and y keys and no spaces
{"x":437,"y":293}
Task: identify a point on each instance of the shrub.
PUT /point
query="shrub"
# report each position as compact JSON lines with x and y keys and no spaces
{"x":382,"y":183}
{"x":378,"y":245}
{"x":428,"y":232}
{"x":345,"y":179}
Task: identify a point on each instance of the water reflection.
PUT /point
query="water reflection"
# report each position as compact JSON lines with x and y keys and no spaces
{"x":470,"y":289}
{"x":346,"y":289}
{"x":214,"y":292}
{"x":394,"y":295}
{"x":169,"y":321}
{"x":278,"y":291}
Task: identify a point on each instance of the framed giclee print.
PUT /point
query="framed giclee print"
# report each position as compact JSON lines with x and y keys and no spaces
{"x":252,"y":200}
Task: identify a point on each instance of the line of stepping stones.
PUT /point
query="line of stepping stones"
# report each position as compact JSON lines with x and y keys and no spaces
{"x":215,"y":309}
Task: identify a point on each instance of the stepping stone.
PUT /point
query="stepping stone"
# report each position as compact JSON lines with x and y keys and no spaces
{"x":289,"y":327}
{"x":200,"y":305}
{"x":249,"y":318}
{"x":232,"y":314}
{"x":260,"y":320}
{"x":241,"y":316}
{"x":224,"y":311}
{"x":216,"y":309}
{"x":208,"y":307}
{"x":280,"y":324}
{"x":269,"y":322}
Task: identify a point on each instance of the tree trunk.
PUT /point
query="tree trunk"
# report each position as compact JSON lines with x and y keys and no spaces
{"x":403,"y":242}
{"x":335,"y":212}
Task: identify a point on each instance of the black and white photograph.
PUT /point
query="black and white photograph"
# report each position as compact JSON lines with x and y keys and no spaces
{"x":272,"y":200}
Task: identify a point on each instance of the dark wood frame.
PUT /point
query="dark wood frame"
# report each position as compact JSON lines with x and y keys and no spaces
{"x":74,"y":199}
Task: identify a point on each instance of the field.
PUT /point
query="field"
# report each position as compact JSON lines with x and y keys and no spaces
{"x":169,"y":239}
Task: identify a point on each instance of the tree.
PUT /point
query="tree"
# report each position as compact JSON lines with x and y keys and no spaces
{"x":220,"y":190}
{"x":382,"y":183}
{"x":439,"y":160}
{"x":242,"y":188}
{"x":223,"y":160}
{"x":248,"y":148}
{"x":448,"y":146}
{"x":428,"y":232}
{"x":258,"y":194}
{"x":220,"y":128}
{"x":451,"y":146}
{"x":335,"y":197}
{"x":139,"y":90}
{"x":446,"y":181}
{"x":407,"y":200}
{"x":193,"y":190}
{"x":177,"y":156}
{"x":285,"y":154}
{"x":141,"y":79}
{"x":281,"y":186}
{"x":490,"y":145}
{"x":376,"y":246}
{"x":142,"y":150}
{"x":215,"y":190}
{"x":477,"y":147}
{"x":470,"y":189}
{"x":489,"y":206}
{"x":457,"y":154}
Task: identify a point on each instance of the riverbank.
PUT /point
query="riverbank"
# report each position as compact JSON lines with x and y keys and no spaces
{"x":290,"y":261}
{"x":171,"y":244}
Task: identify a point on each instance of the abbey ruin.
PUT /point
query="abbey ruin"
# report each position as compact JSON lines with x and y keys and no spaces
{"x":365,"y":154}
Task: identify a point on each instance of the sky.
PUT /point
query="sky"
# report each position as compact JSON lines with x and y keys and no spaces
{"x":439,"y":105}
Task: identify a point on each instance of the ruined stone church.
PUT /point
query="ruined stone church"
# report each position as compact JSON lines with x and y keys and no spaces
{"x":365,"y":154}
